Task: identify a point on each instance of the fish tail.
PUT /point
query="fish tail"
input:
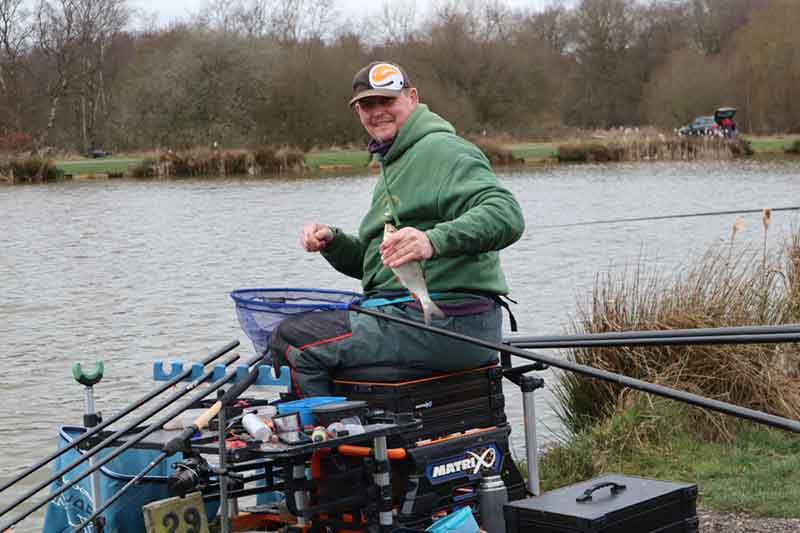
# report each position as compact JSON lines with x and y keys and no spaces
{"x":430,"y":309}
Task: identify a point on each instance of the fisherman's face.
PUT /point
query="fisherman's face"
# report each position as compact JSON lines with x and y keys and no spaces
{"x":383,"y":116}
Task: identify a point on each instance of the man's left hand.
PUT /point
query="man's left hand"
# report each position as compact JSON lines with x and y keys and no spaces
{"x":404,"y":245}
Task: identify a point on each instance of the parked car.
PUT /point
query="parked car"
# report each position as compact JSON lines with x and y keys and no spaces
{"x":95,"y":153}
{"x":724,"y":117}
{"x":700,"y":126}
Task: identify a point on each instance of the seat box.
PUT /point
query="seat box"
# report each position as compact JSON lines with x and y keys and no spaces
{"x":448,"y":403}
{"x":612,"y":503}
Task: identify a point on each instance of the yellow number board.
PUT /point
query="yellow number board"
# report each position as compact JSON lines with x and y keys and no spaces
{"x":176,"y":515}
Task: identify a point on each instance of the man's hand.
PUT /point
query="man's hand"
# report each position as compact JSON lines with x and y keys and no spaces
{"x":315,"y":237}
{"x":404,"y":245}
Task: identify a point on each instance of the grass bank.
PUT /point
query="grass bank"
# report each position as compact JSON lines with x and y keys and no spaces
{"x":344,"y":160}
{"x":757,"y":471}
{"x":738,"y":466}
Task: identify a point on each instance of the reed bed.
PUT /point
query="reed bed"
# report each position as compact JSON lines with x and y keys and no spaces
{"x":496,"y":153}
{"x":724,"y":288}
{"x":654,"y":148}
{"x":26,"y":170}
{"x":259,"y":161}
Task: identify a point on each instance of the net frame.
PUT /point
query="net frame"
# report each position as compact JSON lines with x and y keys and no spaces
{"x":260,"y":310}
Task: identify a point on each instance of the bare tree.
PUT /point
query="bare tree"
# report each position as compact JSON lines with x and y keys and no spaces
{"x":714,"y":22}
{"x":395,"y":22}
{"x":72,"y":36}
{"x":248,"y":18}
{"x":604,"y":92}
{"x":15,"y":32}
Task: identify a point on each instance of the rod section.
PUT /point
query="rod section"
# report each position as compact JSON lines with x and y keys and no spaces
{"x":129,"y":444}
{"x":763,"y":338}
{"x":523,"y":341}
{"x":216,"y":354}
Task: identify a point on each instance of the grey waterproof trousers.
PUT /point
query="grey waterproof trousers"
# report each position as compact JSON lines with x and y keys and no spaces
{"x":315,"y":345}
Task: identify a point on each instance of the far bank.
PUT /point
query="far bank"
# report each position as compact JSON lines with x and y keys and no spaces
{"x":601,"y":146}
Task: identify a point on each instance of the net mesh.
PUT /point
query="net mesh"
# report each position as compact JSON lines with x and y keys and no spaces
{"x":261,"y":310}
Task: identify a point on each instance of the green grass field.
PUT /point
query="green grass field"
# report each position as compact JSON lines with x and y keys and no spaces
{"x":353,"y":158}
{"x":534,"y":151}
{"x":98,"y":166}
{"x":757,"y":471}
{"x":772,"y":144}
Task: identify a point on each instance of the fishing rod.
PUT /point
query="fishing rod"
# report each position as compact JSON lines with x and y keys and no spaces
{"x":762,"y":338}
{"x":116,"y":435}
{"x":637,"y":384}
{"x":178,"y":443}
{"x":665,"y":217}
{"x":635,"y":335}
{"x":135,"y":405}
{"x":125,"y":447}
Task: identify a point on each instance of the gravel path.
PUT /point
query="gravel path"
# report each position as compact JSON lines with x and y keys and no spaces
{"x":714,"y":522}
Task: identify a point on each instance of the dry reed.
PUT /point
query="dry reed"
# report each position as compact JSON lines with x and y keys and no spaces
{"x":718,"y":291}
{"x":496,"y":153}
{"x":654,"y":148}
{"x":26,"y":170}
{"x":260,"y":161}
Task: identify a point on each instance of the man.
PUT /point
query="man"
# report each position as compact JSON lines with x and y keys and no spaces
{"x":452,"y":215}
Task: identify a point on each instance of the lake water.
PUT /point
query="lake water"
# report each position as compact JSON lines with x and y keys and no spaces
{"x":128,"y":271}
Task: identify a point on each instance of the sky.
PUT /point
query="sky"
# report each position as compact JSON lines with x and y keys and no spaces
{"x":166,"y":11}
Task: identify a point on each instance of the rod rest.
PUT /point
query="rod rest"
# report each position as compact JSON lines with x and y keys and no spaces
{"x":266,"y":375}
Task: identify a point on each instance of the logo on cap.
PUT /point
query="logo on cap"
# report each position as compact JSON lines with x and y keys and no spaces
{"x":386,"y":76}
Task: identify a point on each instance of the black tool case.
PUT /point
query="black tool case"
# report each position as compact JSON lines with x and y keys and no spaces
{"x":446,"y":404}
{"x":609,"y":504}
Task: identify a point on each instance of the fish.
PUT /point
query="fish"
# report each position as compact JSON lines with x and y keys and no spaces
{"x":410,"y":275}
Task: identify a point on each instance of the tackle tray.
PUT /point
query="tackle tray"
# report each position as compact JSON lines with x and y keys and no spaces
{"x":449,"y":403}
{"x":612,"y":503}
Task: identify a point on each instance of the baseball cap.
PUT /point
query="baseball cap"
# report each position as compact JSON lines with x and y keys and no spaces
{"x":379,"y":78}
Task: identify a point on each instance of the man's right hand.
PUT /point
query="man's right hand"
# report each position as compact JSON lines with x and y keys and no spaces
{"x":315,"y":237}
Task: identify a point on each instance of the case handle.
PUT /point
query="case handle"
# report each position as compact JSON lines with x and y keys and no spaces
{"x":587,"y":494}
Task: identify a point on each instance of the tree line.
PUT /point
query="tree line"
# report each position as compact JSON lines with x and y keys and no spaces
{"x":77,"y":75}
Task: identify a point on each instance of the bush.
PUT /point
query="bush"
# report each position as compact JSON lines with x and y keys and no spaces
{"x":27,"y":170}
{"x":497,"y":154}
{"x":145,"y":169}
{"x":794,"y":148}
{"x":291,"y":160}
{"x":720,"y":290}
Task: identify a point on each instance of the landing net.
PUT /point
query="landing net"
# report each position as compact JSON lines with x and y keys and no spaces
{"x":261,"y":310}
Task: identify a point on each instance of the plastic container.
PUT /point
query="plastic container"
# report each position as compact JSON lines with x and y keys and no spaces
{"x":329,"y":413}
{"x":460,"y":521}
{"x":340,"y":429}
{"x":256,"y":427}
{"x":124,"y":515}
{"x":304,"y":407}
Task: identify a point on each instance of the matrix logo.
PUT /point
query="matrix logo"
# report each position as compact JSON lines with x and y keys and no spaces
{"x":469,"y":464}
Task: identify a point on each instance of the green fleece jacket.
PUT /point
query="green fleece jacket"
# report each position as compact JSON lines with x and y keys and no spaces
{"x":441,"y":184}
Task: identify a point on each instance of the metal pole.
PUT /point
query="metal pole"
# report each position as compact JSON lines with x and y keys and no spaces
{"x":300,"y":496}
{"x":522,"y":341}
{"x":224,"y":516}
{"x":762,"y":338}
{"x":382,"y":480}
{"x":529,"y":384}
{"x":91,"y":418}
